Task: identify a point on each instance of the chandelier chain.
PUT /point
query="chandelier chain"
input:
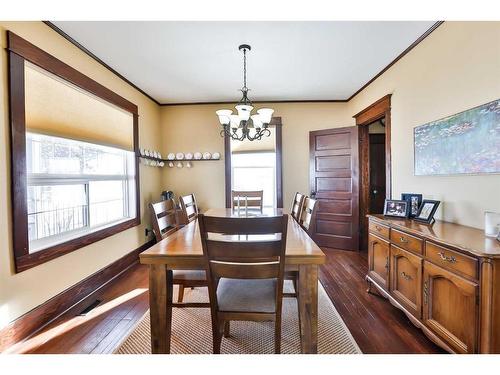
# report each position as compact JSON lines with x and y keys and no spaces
{"x":245,"y":69}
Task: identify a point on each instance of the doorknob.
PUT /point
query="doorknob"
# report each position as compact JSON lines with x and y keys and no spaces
{"x":375,"y":191}
{"x":313,"y":194}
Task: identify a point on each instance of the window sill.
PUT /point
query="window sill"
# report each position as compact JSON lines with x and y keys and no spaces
{"x":41,"y":256}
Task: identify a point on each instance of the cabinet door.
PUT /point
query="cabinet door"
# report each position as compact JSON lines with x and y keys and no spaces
{"x":406,"y":280}
{"x":450,"y":307}
{"x":378,"y":260}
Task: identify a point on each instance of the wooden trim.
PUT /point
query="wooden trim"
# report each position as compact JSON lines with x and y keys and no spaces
{"x":399,"y":57}
{"x":75,"y":297}
{"x":20,"y":51}
{"x":257,"y":102}
{"x":86,"y":51}
{"x":275,"y":121}
{"x":37,"y":56}
{"x":30,"y":260}
{"x":227,"y":171}
{"x":18,"y":155}
{"x":279,"y":162}
{"x":376,"y":111}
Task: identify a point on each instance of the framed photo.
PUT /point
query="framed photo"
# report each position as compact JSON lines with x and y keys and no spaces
{"x":415,"y":201}
{"x":427,"y":210}
{"x":396,"y":208}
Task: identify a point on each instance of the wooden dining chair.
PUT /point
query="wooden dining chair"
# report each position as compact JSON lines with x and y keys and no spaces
{"x":298,"y":201}
{"x":189,"y":208}
{"x":252,"y":199}
{"x":245,"y":277}
{"x":247,"y":199}
{"x":307,"y":218}
{"x":164,"y":221}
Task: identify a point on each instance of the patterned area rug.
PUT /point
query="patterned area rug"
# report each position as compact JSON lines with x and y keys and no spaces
{"x":192,"y":333}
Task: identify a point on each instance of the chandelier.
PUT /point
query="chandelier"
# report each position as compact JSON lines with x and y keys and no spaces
{"x":243,"y":124}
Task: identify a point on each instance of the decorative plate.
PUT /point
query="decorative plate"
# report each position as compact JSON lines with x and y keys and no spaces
{"x":141,"y":151}
{"x":189,"y":156}
{"x":188,"y":164}
{"x":170,"y":164}
{"x":197,"y":155}
{"x":179,"y":164}
{"x":159,"y":156}
{"x":207,"y":155}
{"x":171,"y":156}
{"x":179,"y":156}
{"x":216,"y":156}
{"x":146,"y":152}
{"x":155,"y":154}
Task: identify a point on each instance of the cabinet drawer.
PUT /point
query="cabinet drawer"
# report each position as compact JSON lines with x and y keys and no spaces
{"x":451,"y":259}
{"x":379,"y":229}
{"x":406,"y":241}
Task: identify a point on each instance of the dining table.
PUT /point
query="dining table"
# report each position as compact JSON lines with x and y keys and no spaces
{"x":183,"y":250}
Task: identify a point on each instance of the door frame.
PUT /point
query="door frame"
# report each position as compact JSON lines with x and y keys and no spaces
{"x":276,"y":122}
{"x":376,"y":111}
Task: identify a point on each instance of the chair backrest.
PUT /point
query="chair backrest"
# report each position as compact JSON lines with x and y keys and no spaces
{"x":247,"y":199}
{"x":231,"y":252}
{"x":308,"y":214}
{"x":189,"y":207}
{"x":298,"y":201}
{"x":163,"y":218}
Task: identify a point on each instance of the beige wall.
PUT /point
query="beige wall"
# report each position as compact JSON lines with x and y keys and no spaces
{"x":192,"y":128}
{"x":21,"y":292}
{"x":457,"y":67}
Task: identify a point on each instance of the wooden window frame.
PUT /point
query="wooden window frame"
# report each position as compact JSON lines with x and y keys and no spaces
{"x":276,"y":122}
{"x":20,"y":51}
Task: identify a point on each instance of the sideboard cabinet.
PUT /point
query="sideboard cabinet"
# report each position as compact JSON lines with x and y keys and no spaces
{"x":445,"y":277}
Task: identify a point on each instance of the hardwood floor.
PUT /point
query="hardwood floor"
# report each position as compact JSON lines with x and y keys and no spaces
{"x":375,"y":324}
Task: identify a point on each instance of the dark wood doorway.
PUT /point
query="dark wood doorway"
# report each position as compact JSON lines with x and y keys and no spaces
{"x":334,"y":171}
{"x":380,"y":111}
{"x":377,"y":172}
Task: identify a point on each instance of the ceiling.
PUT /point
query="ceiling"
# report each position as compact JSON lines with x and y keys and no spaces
{"x":186,"y":62}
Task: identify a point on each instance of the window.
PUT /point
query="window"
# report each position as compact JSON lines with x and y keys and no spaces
{"x":75,"y":188}
{"x":255,"y":171}
{"x":75,"y":175}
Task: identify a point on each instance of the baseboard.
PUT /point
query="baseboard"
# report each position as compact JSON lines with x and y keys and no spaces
{"x":42,"y":315}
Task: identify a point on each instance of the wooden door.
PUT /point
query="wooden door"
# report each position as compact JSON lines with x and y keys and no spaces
{"x":406,"y":280}
{"x":334,"y":176}
{"x":378,"y":260}
{"x":377,"y":173}
{"x":450,"y":307}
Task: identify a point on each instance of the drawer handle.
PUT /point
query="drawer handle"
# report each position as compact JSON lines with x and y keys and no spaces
{"x":426,"y":294}
{"x":450,"y":259}
{"x":387,"y":263}
{"x":378,"y":228}
{"x":403,"y":240}
{"x":406,"y":276}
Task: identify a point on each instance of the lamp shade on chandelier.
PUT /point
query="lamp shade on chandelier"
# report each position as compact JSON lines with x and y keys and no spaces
{"x":243,"y":124}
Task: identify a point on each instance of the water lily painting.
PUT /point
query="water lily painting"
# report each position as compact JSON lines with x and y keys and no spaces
{"x":467,"y":142}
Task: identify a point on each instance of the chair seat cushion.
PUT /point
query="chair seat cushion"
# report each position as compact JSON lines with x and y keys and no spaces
{"x":189,"y":275}
{"x":254,"y":295}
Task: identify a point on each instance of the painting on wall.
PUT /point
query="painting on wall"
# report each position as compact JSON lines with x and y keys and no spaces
{"x":465,"y":143}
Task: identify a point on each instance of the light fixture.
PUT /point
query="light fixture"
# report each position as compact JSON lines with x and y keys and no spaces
{"x":237,"y":126}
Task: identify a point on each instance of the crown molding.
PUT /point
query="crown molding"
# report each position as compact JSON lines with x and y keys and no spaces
{"x":399,"y":57}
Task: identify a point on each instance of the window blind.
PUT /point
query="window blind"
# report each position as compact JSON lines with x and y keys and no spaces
{"x":58,"y":108}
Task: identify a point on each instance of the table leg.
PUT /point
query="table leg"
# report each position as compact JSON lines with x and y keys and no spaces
{"x":160,"y":308}
{"x":308,"y":308}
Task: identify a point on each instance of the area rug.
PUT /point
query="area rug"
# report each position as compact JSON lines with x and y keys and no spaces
{"x":192,"y":333}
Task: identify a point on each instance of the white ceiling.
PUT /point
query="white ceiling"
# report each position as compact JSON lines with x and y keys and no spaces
{"x":179,"y":62}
